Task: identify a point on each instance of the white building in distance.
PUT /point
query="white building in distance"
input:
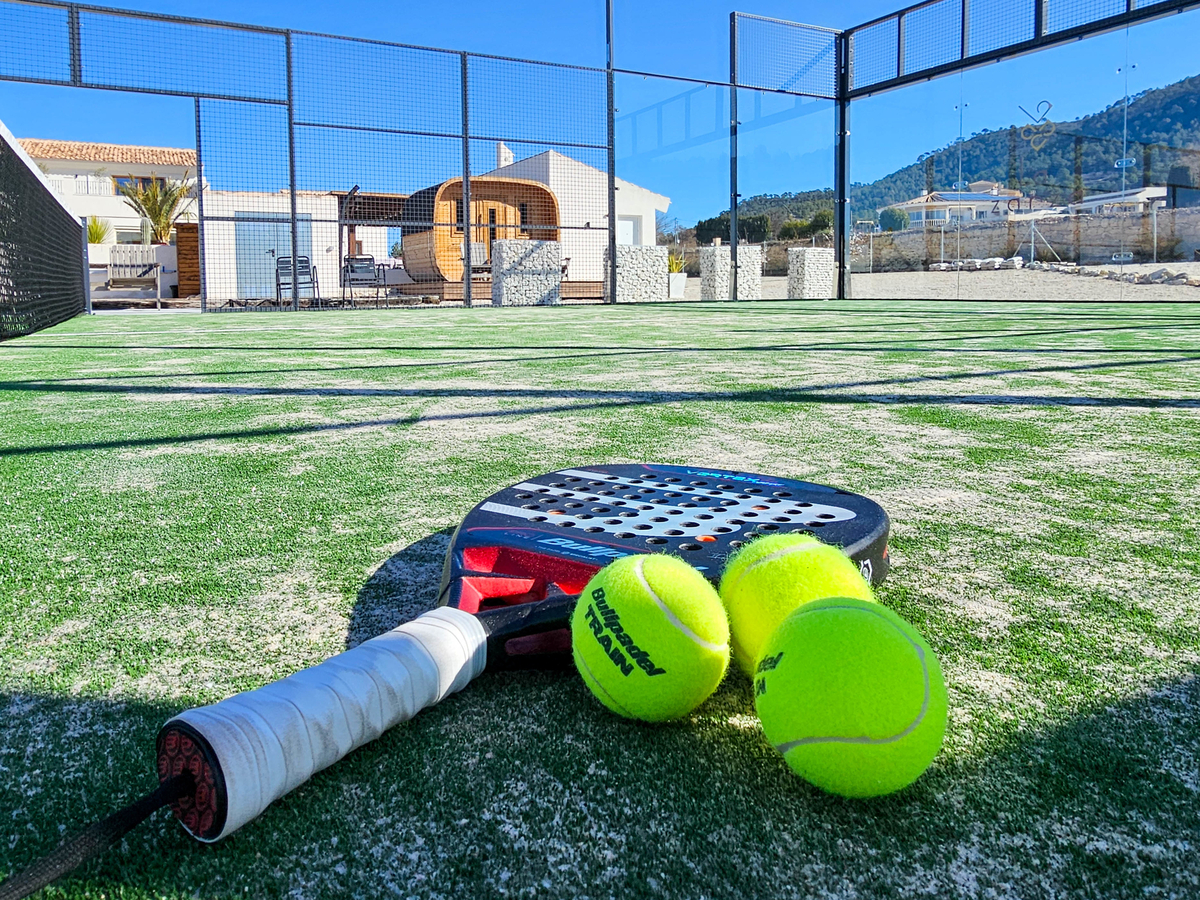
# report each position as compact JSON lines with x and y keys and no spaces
{"x":87,"y":175}
{"x":582,"y":193}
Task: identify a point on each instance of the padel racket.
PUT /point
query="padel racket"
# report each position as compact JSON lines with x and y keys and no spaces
{"x":513,"y":572}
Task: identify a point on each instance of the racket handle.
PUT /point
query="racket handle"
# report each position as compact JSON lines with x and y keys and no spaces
{"x":251,"y":749}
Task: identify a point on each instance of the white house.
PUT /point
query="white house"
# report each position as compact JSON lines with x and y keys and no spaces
{"x":1135,"y":200}
{"x":982,"y":201}
{"x":582,"y":193}
{"x":87,"y":175}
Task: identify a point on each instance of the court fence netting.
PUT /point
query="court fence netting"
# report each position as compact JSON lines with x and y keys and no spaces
{"x":42,"y":249}
{"x":335,"y":172}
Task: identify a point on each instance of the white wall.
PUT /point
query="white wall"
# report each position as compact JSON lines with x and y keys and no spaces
{"x":220,"y":250}
{"x":582,"y":193}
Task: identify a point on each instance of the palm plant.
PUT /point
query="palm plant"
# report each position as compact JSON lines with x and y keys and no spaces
{"x":158,"y":200}
{"x":98,"y":230}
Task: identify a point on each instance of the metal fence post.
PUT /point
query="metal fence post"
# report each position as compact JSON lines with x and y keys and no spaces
{"x":612,"y":159}
{"x":200,"y":211}
{"x":87,"y":270}
{"x":733,"y":158}
{"x":841,"y":168}
{"x":291,"y":114}
{"x":468,"y":286}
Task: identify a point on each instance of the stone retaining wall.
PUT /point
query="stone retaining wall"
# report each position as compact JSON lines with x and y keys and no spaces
{"x":526,"y":273}
{"x":715,"y":267}
{"x":1088,"y":240}
{"x":811,"y":274}
{"x":641,"y":274}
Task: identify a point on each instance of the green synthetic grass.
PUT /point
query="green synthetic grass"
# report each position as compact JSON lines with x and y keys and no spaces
{"x":195,"y":505}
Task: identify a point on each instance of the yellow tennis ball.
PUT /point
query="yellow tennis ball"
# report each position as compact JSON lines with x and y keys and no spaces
{"x":650,"y":638}
{"x":771,"y":576}
{"x":852,"y":696}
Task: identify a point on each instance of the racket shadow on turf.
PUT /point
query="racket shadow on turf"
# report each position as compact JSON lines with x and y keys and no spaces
{"x":404,"y":586}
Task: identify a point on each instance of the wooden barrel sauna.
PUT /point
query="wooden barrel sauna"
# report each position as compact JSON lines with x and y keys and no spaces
{"x":501,"y":209}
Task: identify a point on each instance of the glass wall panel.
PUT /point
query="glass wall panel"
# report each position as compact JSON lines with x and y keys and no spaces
{"x":672,"y":153}
{"x":1163,"y":140}
{"x":785,"y":179}
{"x":1044,"y":137}
{"x":906,"y":175}
{"x":1100,"y":140}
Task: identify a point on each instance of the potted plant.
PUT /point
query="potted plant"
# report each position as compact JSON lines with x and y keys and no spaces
{"x":676,"y":277}
{"x":161,"y":202}
{"x":98,"y":233}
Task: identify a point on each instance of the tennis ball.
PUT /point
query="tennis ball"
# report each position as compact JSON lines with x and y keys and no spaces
{"x":771,"y":576}
{"x":852,"y":696}
{"x":649,"y":637}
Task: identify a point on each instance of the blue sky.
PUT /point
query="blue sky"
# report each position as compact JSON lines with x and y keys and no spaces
{"x":786,"y":144}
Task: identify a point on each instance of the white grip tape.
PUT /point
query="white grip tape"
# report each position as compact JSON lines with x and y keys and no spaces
{"x":270,"y":740}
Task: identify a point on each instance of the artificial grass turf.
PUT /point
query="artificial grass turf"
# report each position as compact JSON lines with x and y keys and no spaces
{"x":195,"y":505}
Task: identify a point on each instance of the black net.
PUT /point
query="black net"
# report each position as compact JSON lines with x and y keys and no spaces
{"x":933,"y":35}
{"x":874,"y":53}
{"x":784,"y":56}
{"x":41,"y":251}
{"x":994,"y":24}
{"x":34,"y":42}
{"x":211,"y":61}
{"x":1062,"y":15}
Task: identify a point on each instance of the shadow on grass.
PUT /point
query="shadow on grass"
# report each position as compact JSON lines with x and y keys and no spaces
{"x":590,"y":400}
{"x":82,"y":383}
{"x":525,"y":773}
{"x":402,"y":588}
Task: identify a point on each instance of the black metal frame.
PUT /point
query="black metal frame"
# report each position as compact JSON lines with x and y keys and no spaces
{"x":842,"y":96}
{"x":1043,"y":39}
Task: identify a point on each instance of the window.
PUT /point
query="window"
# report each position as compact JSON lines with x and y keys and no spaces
{"x":458,"y":216}
{"x":523,"y":212}
{"x":917,"y":215}
{"x":936,"y":214}
{"x":142,"y":183}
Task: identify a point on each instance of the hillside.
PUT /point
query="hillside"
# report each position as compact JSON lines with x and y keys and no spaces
{"x":1078,"y":158}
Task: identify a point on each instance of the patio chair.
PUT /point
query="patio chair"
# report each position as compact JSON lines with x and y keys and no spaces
{"x":359,"y":272}
{"x":305,"y":277}
{"x":480,"y":264}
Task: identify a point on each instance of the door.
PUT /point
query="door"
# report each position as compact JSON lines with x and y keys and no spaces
{"x":629,"y":229}
{"x":261,"y":238}
{"x":503,"y":222}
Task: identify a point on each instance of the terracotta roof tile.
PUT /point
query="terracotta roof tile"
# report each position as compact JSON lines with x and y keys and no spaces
{"x":108,"y":153}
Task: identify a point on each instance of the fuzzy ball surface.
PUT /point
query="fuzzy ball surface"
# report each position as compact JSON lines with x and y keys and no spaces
{"x":852,"y":696}
{"x":650,"y":637}
{"x":771,"y":576}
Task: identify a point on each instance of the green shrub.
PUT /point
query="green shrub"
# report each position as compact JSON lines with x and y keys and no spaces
{"x":794,"y":230}
{"x":754,"y":229}
{"x":98,"y":230}
{"x":822,"y":220}
{"x":892,"y":219}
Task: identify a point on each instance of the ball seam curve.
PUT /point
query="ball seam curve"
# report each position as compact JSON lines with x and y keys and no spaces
{"x":670,"y":615}
{"x":784,"y":748}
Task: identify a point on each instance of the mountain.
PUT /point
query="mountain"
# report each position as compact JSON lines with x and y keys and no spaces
{"x":1058,"y":161}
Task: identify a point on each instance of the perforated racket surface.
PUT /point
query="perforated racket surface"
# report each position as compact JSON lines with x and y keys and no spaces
{"x":521,"y":557}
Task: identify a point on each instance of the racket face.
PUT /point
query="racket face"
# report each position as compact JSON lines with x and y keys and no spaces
{"x":540,"y":541}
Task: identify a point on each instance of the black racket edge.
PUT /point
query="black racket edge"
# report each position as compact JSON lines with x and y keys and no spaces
{"x":94,"y":839}
{"x":554,"y":613}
